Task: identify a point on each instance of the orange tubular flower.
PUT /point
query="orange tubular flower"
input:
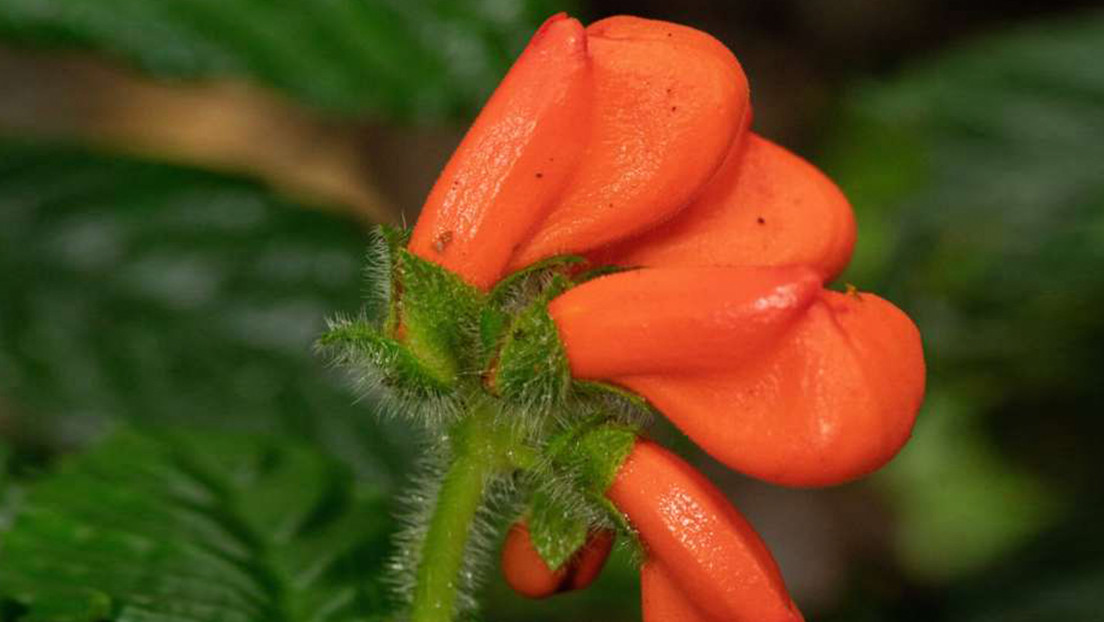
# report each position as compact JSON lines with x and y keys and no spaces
{"x":515,"y":161}
{"x":593,"y":136}
{"x":627,"y":143}
{"x":784,"y":382}
{"x":704,"y":562}
{"x":724,"y":330}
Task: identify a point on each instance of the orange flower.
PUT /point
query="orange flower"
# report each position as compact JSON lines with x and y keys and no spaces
{"x":705,"y":562}
{"x":628,"y":143}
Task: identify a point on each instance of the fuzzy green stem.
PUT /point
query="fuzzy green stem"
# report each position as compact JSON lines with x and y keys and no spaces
{"x":479,"y":452}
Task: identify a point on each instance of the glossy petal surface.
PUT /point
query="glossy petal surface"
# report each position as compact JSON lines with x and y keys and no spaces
{"x":662,"y":600}
{"x":515,"y":160}
{"x":669,"y":102}
{"x":711,"y":555}
{"x":678,"y":320}
{"x":834,"y":400}
{"x":765,"y":207}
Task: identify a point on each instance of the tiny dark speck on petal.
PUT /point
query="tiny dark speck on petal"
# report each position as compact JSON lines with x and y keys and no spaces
{"x":540,"y":175}
{"x":668,"y":34}
{"x":761,"y":220}
{"x":442,"y":241}
{"x":674,"y":108}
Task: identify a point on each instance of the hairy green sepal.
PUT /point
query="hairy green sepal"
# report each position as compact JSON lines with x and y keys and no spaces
{"x":593,"y":453}
{"x":357,"y":342}
{"x":600,"y":453}
{"x":517,"y":292}
{"x":532,"y":365}
{"x":557,"y":529}
{"x":569,"y":495}
{"x":435,"y":314}
{"x":425,"y":334}
{"x":417,"y":334}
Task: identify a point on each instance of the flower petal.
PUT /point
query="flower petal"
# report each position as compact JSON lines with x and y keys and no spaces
{"x":669,"y":102}
{"x":766,"y":206}
{"x":662,"y":600}
{"x":710,"y":554}
{"x":678,"y":320}
{"x":835,"y":400}
{"x":514,"y":161}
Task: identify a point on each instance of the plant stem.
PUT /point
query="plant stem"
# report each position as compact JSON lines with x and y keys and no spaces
{"x":479,"y":451}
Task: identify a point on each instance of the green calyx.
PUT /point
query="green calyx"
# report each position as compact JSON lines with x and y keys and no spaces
{"x":594,"y":454}
{"x":486,"y":375}
{"x":531,"y":365}
{"x":425,"y":334}
{"x":356,"y":343}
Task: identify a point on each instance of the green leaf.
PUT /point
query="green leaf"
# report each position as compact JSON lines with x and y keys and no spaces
{"x":196,"y":526}
{"x":158,"y":294}
{"x":68,"y":605}
{"x":403,"y":58}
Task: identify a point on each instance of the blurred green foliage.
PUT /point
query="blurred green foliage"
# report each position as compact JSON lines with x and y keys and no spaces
{"x":979,"y":184}
{"x":157,"y":294}
{"x":184,"y":526}
{"x":978,"y":181}
{"x":408,"y":59}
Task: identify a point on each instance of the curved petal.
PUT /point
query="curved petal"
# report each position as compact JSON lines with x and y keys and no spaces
{"x":677,"y":320}
{"x":836,"y":398}
{"x":766,"y":206}
{"x":668,"y":104}
{"x":514,"y":161}
{"x":712,"y":556}
{"x":527,"y":573}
